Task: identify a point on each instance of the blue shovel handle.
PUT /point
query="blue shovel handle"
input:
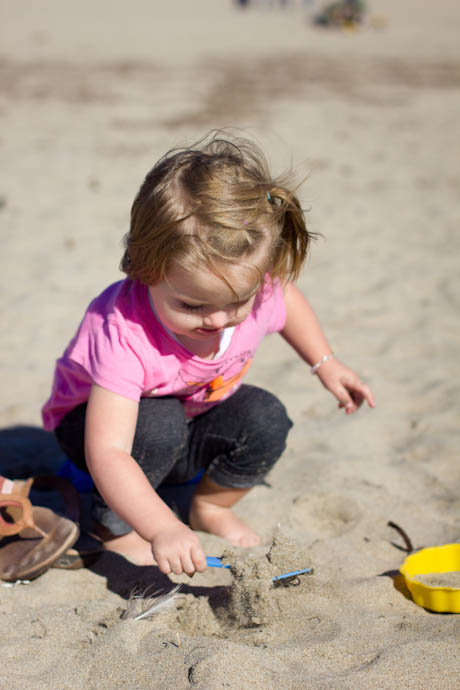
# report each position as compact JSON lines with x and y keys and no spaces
{"x":214,"y":562}
{"x":292,"y":574}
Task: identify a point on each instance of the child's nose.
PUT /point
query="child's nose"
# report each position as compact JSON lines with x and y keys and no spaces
{"x":217,"y":319}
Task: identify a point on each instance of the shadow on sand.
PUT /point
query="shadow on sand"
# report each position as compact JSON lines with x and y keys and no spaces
{"x":27,"y":451}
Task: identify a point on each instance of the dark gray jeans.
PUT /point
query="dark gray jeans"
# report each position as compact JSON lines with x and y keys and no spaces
{"x":236,"y":443}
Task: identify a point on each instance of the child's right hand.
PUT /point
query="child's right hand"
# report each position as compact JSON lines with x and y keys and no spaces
{"x":177,"y":549}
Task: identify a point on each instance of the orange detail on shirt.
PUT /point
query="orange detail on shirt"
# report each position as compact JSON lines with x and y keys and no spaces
{"x":218,"y":388}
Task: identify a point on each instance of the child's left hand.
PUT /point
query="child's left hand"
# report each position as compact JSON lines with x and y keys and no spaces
{"x":345,"y":385}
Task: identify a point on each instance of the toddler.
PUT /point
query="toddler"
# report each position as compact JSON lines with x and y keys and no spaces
{"x":150,"y":388}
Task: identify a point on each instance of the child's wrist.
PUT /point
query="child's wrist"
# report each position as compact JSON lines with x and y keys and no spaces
{"x":320,"y":362}
{"x":164,"y":525}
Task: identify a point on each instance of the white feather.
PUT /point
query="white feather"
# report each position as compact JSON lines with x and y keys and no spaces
{"x":143,"y":605}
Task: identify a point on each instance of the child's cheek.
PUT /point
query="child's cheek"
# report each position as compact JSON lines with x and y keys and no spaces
{"x":246,"y":310}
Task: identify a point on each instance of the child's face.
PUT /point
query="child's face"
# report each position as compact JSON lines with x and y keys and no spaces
{"x":197,"y":305}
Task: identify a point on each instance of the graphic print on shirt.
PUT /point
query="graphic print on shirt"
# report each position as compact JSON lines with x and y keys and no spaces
{"x":219,"y":388}
{"x":225,"y":378}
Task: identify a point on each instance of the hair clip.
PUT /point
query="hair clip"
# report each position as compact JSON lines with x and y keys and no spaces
{"x":269,"y":197}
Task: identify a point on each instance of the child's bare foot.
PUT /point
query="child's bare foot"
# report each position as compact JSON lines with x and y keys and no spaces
{"x":222,"y":522}
{"x":132,"y":547}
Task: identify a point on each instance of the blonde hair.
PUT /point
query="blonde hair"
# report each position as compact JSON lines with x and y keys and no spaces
{"x":211,"y":203}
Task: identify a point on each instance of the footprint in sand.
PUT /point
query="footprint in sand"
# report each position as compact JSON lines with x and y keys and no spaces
{"x":330,"y":515}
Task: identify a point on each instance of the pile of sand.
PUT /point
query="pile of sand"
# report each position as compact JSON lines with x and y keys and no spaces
{"x":254,"y":600}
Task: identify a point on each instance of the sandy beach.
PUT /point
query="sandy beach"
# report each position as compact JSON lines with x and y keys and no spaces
{"x":92,"y":94}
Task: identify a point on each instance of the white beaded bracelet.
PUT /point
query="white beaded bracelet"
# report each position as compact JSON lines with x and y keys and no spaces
{"x":323,"y":359}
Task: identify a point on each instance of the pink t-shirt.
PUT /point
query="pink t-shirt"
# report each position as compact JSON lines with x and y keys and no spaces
{"x":122,"y":346}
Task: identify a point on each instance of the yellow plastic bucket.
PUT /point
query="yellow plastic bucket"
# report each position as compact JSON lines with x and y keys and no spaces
{"x":437,"y":559}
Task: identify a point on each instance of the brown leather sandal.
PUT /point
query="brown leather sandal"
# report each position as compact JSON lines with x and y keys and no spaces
{"x":87,"y":548}
{"x":83,"y":553}
{"x":32,"y":537}
{"x":75,"y":551}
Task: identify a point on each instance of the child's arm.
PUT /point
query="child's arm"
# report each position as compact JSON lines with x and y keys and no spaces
{"x":303,"y":332}
{"x":110,"y":426}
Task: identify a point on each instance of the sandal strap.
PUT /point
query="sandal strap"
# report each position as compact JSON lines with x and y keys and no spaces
{"x":20,"y":487}
{"x":25,"y":519}
{"x":44,"y":482}
{"x":6,"y":486}
{"x":15,"y":503}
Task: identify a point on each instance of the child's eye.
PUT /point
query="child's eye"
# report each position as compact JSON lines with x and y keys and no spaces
{"x":191,"y":307}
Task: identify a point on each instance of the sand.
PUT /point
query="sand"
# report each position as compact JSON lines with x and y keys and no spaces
{"x":92,"y":94}
{"x":450,"y":579}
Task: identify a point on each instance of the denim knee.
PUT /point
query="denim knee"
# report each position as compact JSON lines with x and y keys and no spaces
{"x":267,"y":419}
{"x":250,"y":445}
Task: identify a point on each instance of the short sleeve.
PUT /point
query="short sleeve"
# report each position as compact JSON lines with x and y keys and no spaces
{"x":110,"y":358}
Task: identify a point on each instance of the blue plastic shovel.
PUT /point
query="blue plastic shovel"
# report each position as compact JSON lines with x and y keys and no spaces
{"x":214,"y":562}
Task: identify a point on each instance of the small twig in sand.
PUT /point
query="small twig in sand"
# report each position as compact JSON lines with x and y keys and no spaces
{"x":403,"y":534}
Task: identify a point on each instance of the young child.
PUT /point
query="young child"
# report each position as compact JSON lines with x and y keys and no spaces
{"x":149,"y":389}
